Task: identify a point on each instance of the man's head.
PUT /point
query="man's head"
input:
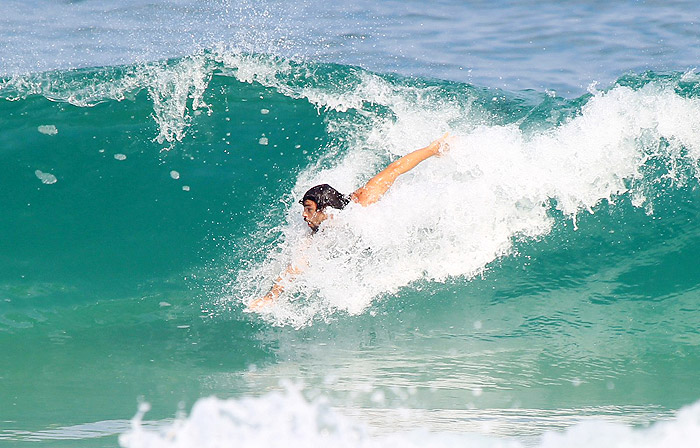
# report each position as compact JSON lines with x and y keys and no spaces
{"x":317,"y":199}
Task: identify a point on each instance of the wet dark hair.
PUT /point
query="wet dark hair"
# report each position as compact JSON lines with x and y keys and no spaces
{"x":326,"y":196}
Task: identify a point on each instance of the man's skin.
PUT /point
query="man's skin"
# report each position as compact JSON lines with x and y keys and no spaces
{"x":370,"y":193}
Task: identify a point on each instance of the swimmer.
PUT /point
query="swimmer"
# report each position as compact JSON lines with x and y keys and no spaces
{"x":320,"y":197}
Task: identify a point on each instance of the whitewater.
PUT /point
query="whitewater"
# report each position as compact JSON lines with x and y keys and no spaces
{"x":536,"y":286}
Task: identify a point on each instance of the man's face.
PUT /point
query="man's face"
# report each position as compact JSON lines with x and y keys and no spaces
{"x":313,"y":217}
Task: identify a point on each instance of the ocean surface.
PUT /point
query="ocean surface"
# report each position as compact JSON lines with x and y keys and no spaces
{"x":536,"y":286}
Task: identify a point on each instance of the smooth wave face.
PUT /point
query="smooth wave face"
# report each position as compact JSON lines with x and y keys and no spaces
{"x":546,"y":262}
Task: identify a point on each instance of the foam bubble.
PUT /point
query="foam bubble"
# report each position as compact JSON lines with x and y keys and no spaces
{"x":48,"y":129}
{"x":120,"y":156}
{"x":45,"y":178}
{"x":174,"y":174}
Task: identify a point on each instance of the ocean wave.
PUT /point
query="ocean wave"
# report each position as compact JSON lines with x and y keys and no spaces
{"x":524,"y":163}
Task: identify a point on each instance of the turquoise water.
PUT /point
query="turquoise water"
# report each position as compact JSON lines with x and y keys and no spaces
{"x":539,"y":276}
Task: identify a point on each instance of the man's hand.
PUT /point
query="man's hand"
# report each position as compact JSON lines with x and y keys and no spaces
{"x":443,"y":144}
{"x":261,"y":304}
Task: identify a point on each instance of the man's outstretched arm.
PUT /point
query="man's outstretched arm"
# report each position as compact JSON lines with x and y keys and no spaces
{"x":276,"y":290}
{"x":375,"y":188}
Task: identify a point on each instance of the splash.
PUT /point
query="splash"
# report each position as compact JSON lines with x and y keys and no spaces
{"x":453,"y":216}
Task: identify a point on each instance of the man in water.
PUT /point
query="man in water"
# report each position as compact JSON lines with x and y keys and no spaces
{"x":320,"y":197}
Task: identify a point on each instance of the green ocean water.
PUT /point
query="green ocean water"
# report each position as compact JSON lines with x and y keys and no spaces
{"x":542,"y":272}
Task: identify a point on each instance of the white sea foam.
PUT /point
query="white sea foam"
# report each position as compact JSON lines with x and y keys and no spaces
{"x":452,"y":216}
{"x":288,"y":419}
